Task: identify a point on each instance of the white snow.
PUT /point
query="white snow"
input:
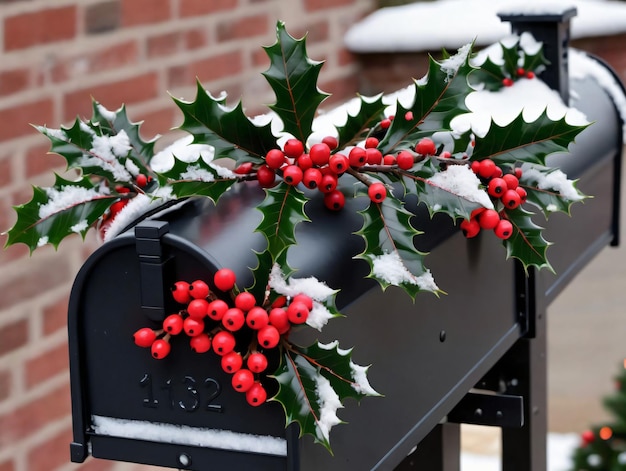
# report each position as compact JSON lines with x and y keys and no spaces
{"x":361,"y":383}
{"x":194,"y":172}
{"x":56,"y":133}
{"x":318,"y":316}
{"x":554,"y":180}
{"x":311,"y":286}
{"x":66,"y":197}
{"x":390,"y":268}
{"x":79,"y":226}
{"x":131,"y":167}
{"x":106,"y":114}
{"x":184,"y":150}
{"x":419,"y":26}
{"x":461,"y":181}
{"x":42,"y":241}
{"x":329,"y":402}
{"x":186,"y":435}
{"x":451,"y":65}
{"x":112,"y":147}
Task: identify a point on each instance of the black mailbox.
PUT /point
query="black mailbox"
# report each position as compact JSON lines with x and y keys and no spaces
{"x":176,"y":412}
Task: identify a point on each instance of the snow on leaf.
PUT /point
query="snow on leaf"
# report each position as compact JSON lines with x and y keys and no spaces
{"x":359,"y":123}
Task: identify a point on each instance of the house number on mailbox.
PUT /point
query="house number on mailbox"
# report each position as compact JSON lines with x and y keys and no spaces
{"x":183,"y":393}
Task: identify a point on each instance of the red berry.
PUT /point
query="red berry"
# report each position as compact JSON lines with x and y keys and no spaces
{"x":256,"y":395}
{"x":328,"y":183}
{"x":408,"y":116}
{"x":530,"y":74}
{"x":297,"y":313}
{"x":257,"y":362}
{"x":200,"y":343}
{"x":470,"y":228}
{"x":292,"y":175}
{"x":293,"y":148}
{"x":377,"y":192}
{"x":488,"y":219}
{"x":373,"y":156}
{"x":426,"y":146}
{"x":180,"y":292}
{"x":280,"y":301}
{"x":173,"y":324}
{"x":193,"y":327}
{"x":338,"y":163}
{"x":475,"y":166}
{"x":268,"y":336}
{"x":278,"y":318}
{"x":335,"y":200}
{"x":507,"y":82}
{"x":497,"y":187}
{"x":234,"y":319}
{"x":497,"y":173}
{"x":389,"y":159}
{"x":357,"y":157}
{"x":224,"y":279}
{"x":198,"y":308}
{"x":257,"y":318}
{"x":405,"y":160}
{"x":504,"y":229}
{"x":303,"y":298}
{"x":245,"y":301}
{"x":304,"y":162}
{"x":518,"y":172}
{"x":312,"y":178}
{"x":445,"y":155}
{"x":511,"y":180}
{"x":371,"y":143}
{"x":320,"y":154}
{"x":231,"y":362}
{"x":476,"y":212}
{"x":160,"y":349}
{"x":242,"y":380}
{"x":265,"y":176}
{"x":520,"y":71}
{"x":144,"y":337}
{"x":122,"y":189}
{"x":486,"y":168}
{"x":243,"y":169}
{"x":331,"y":142}
{"x":587,"y":437}
{"x":216,"y":309}
{"x":116,"y":207}
{"x":223,"y":342}
{"x":522,"y":194}
{"x":199,"y":289}
{"x":511,"y":199}
{"x":141,"y":180}
{"x":385,"y":123}
{"x":275,"y":158}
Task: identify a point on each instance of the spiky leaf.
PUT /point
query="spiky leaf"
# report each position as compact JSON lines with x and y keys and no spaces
{"x":511,"y":57}
{"x":549,"y":189}
{"x":198,"y":178}
{"x":527,"y":243}
{"x":313,"y":383}
{"x":357,"y":125}
{"x":293,"y":77}
{"x":53,"y":213}
{"x":488,"y":75}
{"x":521,"y":141}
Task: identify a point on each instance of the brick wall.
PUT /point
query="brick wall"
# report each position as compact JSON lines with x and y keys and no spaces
{"x":54,"y":56}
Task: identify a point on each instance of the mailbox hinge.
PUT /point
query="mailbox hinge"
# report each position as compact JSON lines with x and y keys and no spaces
{"x":498,"y":410}
{"x":152,"y":267}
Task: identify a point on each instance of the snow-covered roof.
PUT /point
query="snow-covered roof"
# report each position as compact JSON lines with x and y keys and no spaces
{"x":451,"y":23}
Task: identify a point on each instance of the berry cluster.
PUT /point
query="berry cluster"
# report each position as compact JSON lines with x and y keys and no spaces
{"x":506,"y":194}
{"x":241,"y":333}
{"x":521,"y":73}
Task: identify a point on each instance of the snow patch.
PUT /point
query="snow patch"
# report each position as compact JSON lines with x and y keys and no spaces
{"x":554,"y":180}
{"x":361,"y":383}
{"x":106,"y":114}
{"x":65,"y":198}
{"x":390,"y":268}
{"x":184,"y":150}
{"x":451,"y":65}
{"x":194,"y":172}
{"x":79,"y":226}
{"x":462,"y":182}
{"x":132,"y":167}
{"x":329,"y":402}
{"x":318,"y":316}
{"x":42,"y":241}
{"x":190,"y":436}
{"x":311,"y":286}
{"x":56,"y":133}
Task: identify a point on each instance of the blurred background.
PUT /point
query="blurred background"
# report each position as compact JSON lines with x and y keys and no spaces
{"x":55,"y":56}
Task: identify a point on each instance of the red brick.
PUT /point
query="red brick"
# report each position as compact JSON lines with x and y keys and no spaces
{"x":38,"y":161}
{"x":14,"y":81}
{"x":13,"y":336}
{"x":157,"y":122}
{"x":341,"y":89}
{"x":39,"y":27}
{"x":245,"y":27}
{"x":21,"y":421}
{"x":102,"y":17}
{"x":8,"y":465}
{"x":195,"y":38}
{"x":5,"y":387}
{"x":112,"y":95}
{"x":138,"y":12}
{"x":48,"y":364}
{"x":6,"y":171}
{"x":15,"y":120}
{"x":51,"y":454}
{"x":259,"y":58}
{"x":203,"y":7}
{"x":42,"y":277}
{"x":164,"y":44}
{"x":212,"y":68}
{"x":55,"y":316}
{"x":315,"y":32}
{"x":345,"y":57}
{"x":312,"y":5}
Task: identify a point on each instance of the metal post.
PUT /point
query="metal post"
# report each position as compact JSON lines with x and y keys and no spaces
{"x":440,"y":450}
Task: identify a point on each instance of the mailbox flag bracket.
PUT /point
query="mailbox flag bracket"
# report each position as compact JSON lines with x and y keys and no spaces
{"x":152,"y":264}
{"x":499,"y":410}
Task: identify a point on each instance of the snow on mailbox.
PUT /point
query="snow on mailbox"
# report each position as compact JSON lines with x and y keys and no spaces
{"x":214,"y":327}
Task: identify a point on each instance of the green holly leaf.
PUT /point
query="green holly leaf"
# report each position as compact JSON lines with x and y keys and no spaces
{"x":439,"y":97}
{"x":54,"y":213}
{"x":549,"y":189}
{"x":389,"y":248}
{"x":357,"y":125}
{"x":511,"y":56}
{"x":199,"y":178}
{"x":293,"y":77}
{"x":525,"y":142}
{"x":535,"y":62}
{"x":489,"y":75}
{"x":228,"y":130}
{"x":526,"y":243}
{"x":313,"y":383}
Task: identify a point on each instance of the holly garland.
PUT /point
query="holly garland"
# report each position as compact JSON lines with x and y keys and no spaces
{"x":492,"y":181}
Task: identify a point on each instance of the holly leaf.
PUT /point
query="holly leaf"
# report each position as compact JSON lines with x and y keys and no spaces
{"x":525,"y":142}
{"x":535,"y":62}
{"x":511,"y":57}
{"x":526,"y":243}
{"x":228,"y":130}
{"x":199,"y":178}
{"x":439,"y":97}
{"x":313,"y":383}
{"x":293,"y":77}
{"x":357,"y":125}
{"x":549,"y":189}
{"x":389,"y":248}
{"x":489,"y":75}
{"x":54,"y":213}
